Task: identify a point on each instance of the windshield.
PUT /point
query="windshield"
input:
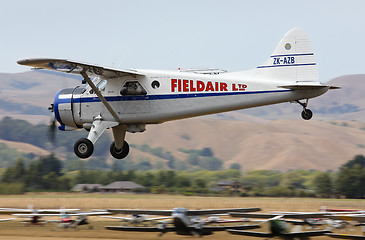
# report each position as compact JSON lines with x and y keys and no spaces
{"x":99,"y":83}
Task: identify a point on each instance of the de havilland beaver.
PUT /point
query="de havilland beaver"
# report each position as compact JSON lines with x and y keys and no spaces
{"x":128,"y":100}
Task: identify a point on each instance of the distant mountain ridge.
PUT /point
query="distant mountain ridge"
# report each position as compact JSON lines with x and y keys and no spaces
{"x":38,"y":88}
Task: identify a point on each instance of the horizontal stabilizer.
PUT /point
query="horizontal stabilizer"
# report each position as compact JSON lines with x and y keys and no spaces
{"x":307,"y":87}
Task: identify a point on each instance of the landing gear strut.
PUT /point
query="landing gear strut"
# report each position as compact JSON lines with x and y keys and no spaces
{"x":307,"y":114}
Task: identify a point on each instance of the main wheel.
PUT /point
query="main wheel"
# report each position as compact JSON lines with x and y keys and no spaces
{"x":119,"y":153}
{"x":307,"y":114}
{"x":83,"y":148}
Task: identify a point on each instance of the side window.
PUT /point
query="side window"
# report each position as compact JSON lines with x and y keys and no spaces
{"x":133,"y":88}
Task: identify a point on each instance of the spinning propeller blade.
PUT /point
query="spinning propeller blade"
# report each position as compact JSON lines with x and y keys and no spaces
{"x":52,"y":126}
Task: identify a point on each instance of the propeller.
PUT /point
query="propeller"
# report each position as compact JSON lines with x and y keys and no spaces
{"x":52,"y":125}
{"x":162,"y":226}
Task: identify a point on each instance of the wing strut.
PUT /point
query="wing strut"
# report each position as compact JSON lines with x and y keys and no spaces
{"x":97,"y":92}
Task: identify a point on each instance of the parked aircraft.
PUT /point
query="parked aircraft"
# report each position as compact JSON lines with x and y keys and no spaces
{"x":280,"y":228}
{"x":34,"y":215}
{"x":184,"y":222}
{"x":128,"y":100}
{"x":310,"y":218}
{"x":65,"y":220}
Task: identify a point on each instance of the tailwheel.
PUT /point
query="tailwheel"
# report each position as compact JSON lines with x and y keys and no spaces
{"x":307,"y":114}
{"x":119,"y":153}
{"x":83,"y":148}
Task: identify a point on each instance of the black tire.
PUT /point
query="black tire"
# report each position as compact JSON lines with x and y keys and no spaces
{"x":307,"y":114}
{"x":119,"y":154}
{"x":83,"y":148}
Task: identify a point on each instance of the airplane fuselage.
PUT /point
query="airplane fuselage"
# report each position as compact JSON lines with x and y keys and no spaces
{"x":162,"y":96}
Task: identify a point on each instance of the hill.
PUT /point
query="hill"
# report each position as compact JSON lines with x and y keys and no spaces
{"x":28,"y":95}
{"x":279,"y":145}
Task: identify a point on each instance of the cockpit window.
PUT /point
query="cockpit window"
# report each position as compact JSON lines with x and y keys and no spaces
{"x":133,"y":88}
{"x":101,"y":85}
{"x":179,"y":210}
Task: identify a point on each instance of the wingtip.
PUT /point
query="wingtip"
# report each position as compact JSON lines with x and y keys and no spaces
{"x":22,"y":61}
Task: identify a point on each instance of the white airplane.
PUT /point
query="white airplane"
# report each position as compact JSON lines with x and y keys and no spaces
{"x":280,"y":228}
{"x":65,"y":220}
{"x":309,"y":218}
{"x":128,"y":100}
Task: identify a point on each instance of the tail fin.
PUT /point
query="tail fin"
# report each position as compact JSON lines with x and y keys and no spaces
{"x":293,"y":60}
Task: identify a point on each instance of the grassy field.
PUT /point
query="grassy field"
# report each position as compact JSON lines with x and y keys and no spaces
{"x":15,"y":230}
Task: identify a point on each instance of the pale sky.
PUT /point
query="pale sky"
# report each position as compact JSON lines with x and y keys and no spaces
{"x":165,"y":34}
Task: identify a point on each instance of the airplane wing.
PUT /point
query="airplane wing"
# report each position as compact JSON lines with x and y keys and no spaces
{"x":141,"y":211}
{"x":351,"y":217}
{"x":270,"y":235}
{"x":25,"y":215}
{"x":306,"y":234}
{"x":89,"y":213}
{"x":68,"y":66}
{"x":8,"y":219}
{"x":249,"y":233}
{"x":253,"y":215}
{"x":344,"y":236}
{"x":29,"y":215}
{"x":19,"y":210}
{"x":223,"y":228}
{"x":140,"y":229}
{"x":119,"y":218}
{"x":284,"y":215}
{"x":220,"y":211}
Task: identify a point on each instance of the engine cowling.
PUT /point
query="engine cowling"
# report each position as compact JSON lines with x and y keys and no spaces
{"x":64,"y":110}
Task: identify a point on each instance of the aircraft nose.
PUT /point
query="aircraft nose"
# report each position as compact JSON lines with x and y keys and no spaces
{"x":55,"y":107}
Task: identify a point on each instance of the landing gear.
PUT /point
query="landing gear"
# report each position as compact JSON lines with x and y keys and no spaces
{"x":307,"y":114}
{"x":119,"y":153}
{"x":119,"y":149}
{"x":83,"y":148}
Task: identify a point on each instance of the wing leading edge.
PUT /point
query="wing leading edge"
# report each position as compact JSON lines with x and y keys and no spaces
{"x":68,"y":66}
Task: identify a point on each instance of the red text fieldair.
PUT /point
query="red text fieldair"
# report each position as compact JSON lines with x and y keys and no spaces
{"x":183,"y":85}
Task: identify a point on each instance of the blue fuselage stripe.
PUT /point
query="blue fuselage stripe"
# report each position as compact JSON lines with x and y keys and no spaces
{"x":293,"y":55}
{"x":163,"y":96}
{"x":288,"y":65}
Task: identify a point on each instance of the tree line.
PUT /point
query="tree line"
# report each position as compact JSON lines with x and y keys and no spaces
{"x":158,"y":158}
{"x":48,"y":174}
